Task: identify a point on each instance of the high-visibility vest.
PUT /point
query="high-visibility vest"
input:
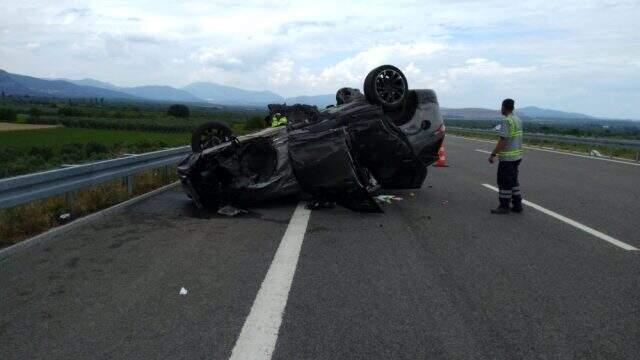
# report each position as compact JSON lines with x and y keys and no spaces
{"x":275,"y":121}
{"x":513,"y":150}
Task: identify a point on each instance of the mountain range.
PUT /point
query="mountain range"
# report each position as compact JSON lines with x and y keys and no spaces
{"x":21,"y":85}
{"x":211,"y":93}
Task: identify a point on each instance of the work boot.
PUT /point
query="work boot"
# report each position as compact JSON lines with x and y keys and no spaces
{"x":517,"y":204}
{"x":500,"y":210}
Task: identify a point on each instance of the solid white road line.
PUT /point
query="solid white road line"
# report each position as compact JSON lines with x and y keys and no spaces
{"x":574,"y":223}
{"x":483,"y":151}
{"x":556,"y":152}
{"x":259,"y":334}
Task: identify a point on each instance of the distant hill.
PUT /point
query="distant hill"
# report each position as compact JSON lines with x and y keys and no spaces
{"x":525,"y":112}
{"x":93,"y":82}
{"x":203,"y":92}
{"x":321,"y":101}
{"x":21,"y":85}
{"x":10,"y":86}
{"x":162,"y":93}
{"x":229,"y":95}
{"x":150,"y":92}
{"x":536,"y":112}
{"x":470,"y":113}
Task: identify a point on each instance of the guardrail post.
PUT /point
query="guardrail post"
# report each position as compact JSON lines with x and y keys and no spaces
{"x":129,"y":181}
{"x":638,"y":156}
{"x":68,"y":200}
{"x":165,"y":173}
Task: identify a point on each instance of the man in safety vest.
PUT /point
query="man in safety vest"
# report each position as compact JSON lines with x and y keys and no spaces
{"x":509,"y":151}
{"x":278,"y":120}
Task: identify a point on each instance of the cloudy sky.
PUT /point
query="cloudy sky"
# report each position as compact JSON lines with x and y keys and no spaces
{"x":573,"y":55}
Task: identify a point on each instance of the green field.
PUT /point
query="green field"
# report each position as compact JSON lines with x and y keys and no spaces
{"x":56,"y":138}
{"x":26,"y":151}
{"x":94,"y":130}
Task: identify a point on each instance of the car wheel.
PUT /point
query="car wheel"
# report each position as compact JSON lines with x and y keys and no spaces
{"x":404,"y":114}
{"x":387,"y":86}
{"x":210,"y":134}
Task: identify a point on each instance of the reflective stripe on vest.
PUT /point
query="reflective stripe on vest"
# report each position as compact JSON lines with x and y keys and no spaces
{"x":511,"y":153}
{"x":275,"y":122}
{"x":513,"y":128}
{"x":513,"y":149}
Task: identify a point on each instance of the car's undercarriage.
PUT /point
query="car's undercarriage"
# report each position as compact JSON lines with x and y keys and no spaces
{"x":341,"y":154}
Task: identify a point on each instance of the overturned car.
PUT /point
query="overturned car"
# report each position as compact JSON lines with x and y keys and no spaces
{"x":382,"y":139}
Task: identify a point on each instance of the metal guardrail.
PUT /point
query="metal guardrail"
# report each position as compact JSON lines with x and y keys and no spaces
{"x":612,"y":143}
{"x":26,"y":188}
{"x":632,"y":144}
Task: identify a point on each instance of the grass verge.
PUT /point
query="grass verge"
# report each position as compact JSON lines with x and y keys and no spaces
{"x":24,"y":221}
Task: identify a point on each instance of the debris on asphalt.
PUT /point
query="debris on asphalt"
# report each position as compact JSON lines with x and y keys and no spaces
{"x":64,"y":218}
{"x":229,"y":210}
{"x":183,"y":291}
{"x":445,"y":202}
{"x":412,"y":194}
{"x":595,"y":153}
{"x":317,"y":205}
{"x":387,"y":198}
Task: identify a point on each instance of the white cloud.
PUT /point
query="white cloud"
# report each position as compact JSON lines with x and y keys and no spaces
{"x":280,"y":72}
{"x":573,"y":54}
{"x":352,"y":71}
{"x":216,"y":57}
{"x":481,"y":67}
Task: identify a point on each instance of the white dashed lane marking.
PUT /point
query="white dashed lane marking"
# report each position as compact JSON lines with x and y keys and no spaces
{"x":259,"y":334}
{"x":574,"y":223}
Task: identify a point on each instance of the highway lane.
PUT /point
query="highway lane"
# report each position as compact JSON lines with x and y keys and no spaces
{"x":603,"y":194}
{"x":110,"y":289}
{"x":436,"y":276}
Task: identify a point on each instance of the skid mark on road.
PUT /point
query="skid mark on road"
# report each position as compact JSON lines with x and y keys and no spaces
{"x":259,"y":334}
{"x":574,"y":223}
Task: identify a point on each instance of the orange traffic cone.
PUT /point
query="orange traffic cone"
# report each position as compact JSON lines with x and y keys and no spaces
{"x":441,"y":162}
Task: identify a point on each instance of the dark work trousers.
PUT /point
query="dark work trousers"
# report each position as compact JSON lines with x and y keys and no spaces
{"x":508,"y":184}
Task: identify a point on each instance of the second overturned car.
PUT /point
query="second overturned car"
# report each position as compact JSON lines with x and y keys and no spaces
{"x":382,"y":139}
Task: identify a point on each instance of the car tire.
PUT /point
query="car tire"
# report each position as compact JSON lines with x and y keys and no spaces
{"x":210,"y":134}
{"x":404,"y":114}
{"x":387,"y":86}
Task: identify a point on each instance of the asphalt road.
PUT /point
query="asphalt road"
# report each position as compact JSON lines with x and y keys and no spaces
{"x":435,"y":277}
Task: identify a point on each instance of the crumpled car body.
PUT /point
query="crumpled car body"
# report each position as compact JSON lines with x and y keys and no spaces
{"x":343,"y":154}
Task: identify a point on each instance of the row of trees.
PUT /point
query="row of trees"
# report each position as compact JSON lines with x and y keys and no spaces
{"x":7,"y":114}
{"x":149,"y":117}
